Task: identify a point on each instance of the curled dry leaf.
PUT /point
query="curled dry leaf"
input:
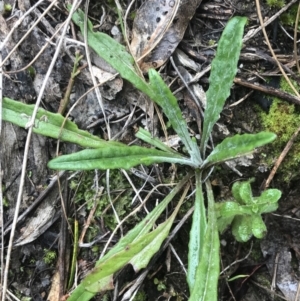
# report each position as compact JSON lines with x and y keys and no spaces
{"x":158,"y":28}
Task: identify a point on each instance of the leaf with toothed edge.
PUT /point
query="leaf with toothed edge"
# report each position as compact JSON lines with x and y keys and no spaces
{"x":223,"y":71}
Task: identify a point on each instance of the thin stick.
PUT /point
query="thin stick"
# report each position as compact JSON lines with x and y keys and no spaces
{"x":26,"y":150}
{"x":126,"y":37}
{"x":20,"y":20}
{"x":251,"y":34}
{"x":28,"y":32}
{"x":268,"y":90}
{"x":237,"y":261}
{"x":1,"y":192}
{"x":273,"y":284}
{"x":76,"y":70}
{"x":295,"y":38}
{"x":271,"y":49}
{"x":97,"y":90}
{"x":280,"y":158}
{"x":88,"y":221}
{"x":48,"y":41}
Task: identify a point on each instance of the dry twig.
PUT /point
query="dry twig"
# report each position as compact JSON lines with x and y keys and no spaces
{"x":280,"y":158}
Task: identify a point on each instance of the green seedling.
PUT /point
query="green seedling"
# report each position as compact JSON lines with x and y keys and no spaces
{"x":245,"y":212}
{"x":161,"y":286}
{"x":49,"y":256}
{"x":139,"y":245}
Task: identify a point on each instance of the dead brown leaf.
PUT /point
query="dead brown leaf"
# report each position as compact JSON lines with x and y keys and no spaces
{"x":158,"y":28}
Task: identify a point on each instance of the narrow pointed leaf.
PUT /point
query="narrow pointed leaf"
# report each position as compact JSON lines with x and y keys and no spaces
{"x":207,"y":275}
{"x":116,"y":262}
{"x":136,"y":236}
{"x":157,"y":90}
{"x":223,"y":71}
{"x":147,"y":137}
{"x":112,"y":157}
{"x":142,"y":259}
{"x":169,"y":104}
{"x":112,"y":52}
{"x":138,"y":253}
{"x":101,"y":277}
{"x":148,"y":222}
{"x":237,"y":146}
{"x":197,"y":233}
{"x":49,"y":124}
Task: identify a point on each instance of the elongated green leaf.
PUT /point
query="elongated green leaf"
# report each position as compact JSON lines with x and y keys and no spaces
{"x":147,"y":137}
{"x":223,"y":70}
{"x":169,"y":104}
{"x":197,"y":232}
{"x":147,"y":223}
{"x":113,"y":53}
{"x":101,"y":277}
{"x":237,"y":146}
{"x":142,"y":259}
{"x":49,"y":124}
{"x":207,"y":275}
{"x":112,"y":157}
{"x":158,"y":91}
{"x":87,"y":289}
{"x":119,"y":260}
{"x":138,"y":253}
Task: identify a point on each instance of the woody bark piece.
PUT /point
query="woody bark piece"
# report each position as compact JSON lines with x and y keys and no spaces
{"x":158,"y":28}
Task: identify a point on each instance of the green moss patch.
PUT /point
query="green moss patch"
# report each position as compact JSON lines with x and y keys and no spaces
{"x":85,"y":194}
{"x":289,"y":17}
{"x":283,"y":119}
{"x":276,"y":3}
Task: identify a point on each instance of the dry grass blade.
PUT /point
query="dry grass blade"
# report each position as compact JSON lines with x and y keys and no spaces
{"x":295,"y":38}
{"x":280,"y":158}
{"x":28,"y":32}
{"x":271,"y":49}
{"x":251,"y":34}
{"x":87,"y":52}
{"x":26,"y":152}
{"x":40,"y":52}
